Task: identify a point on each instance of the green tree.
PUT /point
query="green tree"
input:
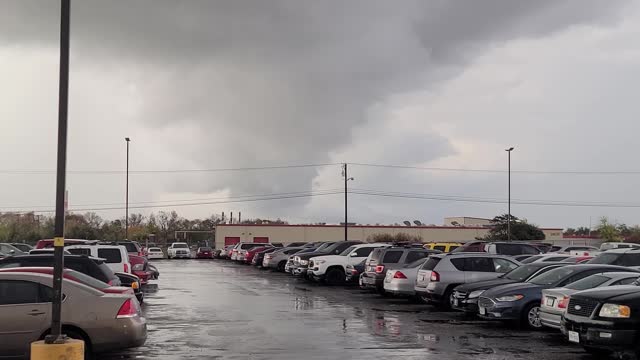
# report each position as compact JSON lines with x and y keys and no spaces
{"x":520,"y":229}
{"x":394,"y":238}
{"x":608,"y":231}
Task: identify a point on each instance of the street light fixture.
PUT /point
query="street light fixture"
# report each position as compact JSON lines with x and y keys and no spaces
{"x":509,"y":150}
{"x":126,"y":206}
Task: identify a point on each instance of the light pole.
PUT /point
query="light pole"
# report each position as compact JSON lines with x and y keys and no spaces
{"x":509,"y":150}
{"x":345,"y":174}
{"x":126,"y":206}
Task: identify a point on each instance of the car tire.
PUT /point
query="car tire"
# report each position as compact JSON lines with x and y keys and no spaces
{"x":598,"y":353}
{"x":447,"y":299}
{"x":335,"y":277}
{"x":281,"y":265}
{"x":531,"y":317}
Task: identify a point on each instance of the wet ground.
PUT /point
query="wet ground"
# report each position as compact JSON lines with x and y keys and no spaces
{"x":213,"y":309}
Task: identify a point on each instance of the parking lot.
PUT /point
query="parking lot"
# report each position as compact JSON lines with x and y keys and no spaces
{"x":213,"y":309}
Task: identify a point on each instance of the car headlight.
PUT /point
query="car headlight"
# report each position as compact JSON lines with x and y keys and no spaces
{"x":475,"y":294}
{"x":304,"y":262}
{"x":318,"y":262}
{"x":510,"y":298}
{"x":615,"y":311}
{"x":138,"y":267}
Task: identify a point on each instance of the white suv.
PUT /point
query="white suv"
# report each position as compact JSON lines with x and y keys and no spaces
{"x":178,"y":250}
{"x":332,"y":268}
{"x":115,"y":256}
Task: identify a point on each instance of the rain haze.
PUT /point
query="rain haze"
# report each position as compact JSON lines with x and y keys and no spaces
{"x":253,"y":85}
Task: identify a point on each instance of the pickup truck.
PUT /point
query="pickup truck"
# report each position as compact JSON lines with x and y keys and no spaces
{"x":301,"y":261}
{"x":178,"y":250}
{"x":332,"y":268}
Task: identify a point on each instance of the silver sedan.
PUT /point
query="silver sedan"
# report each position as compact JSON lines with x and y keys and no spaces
{"x":104,"y":321}
{"x":402,"y":281}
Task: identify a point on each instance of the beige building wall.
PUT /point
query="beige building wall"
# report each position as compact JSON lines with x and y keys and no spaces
{"x":310,"y":233}
{"x":466,"y":221}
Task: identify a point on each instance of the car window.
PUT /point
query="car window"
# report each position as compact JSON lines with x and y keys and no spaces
{"x":503,"y":265}
{"x":458,"y":263}
{"x":431,"y":263}
{"x":630,"y":259}
{"x":626,"y":281}
{"x":364,"y":252}
{"x":588,"y":282}
{"x":205,"y":249}
{"x":521,"y":273}
{"x":612,"y":259}
{"x":14,"y":292}
{"x":87,"y":280}
{"x":440,"y":247}
{"x":508,"y":249}
{"x":416,"y":263}
{"x":183,"y":246}
{"x":554,"y":258}
{"x":553,"y":276}
{"x":111,"y":256}
{"x":578,"y":276}
{"x":415,"y":255}
{"x":531,"y":259}
{"x":80,"y":251}
{"x":479,"y":264}
{"x":392,"y":257}
{"x":453,"y":247}
{"x":45,"y":294}
{"x":131,"y":247}
{"x":347,"y":251}
{"x":7,"y":265}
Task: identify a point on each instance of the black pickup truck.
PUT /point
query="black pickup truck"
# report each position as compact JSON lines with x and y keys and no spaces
{"x":605,"y":320}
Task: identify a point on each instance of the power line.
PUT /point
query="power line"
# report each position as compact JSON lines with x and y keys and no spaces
{"x":532,"y":172}
{"x":119,"y":172}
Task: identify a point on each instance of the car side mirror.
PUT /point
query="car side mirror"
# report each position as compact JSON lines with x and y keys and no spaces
{"x":12,"y":252}
{"x":353,"y":254}
{"x":337,"y":252}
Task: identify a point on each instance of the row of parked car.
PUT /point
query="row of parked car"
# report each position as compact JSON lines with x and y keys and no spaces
{"x":103,"y":285}
{"x":591,"y":295}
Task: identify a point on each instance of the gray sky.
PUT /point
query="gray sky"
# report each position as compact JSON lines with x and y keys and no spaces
{"x":234,"y":84}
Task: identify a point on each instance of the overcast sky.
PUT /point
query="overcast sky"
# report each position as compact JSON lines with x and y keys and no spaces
{"x":237,"y":84}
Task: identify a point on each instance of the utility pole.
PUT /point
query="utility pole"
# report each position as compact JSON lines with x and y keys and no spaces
{"x":345,"y":174}
{"x":509,"y":150}
{"x":56,"y":336}
{"x":126,"y":211}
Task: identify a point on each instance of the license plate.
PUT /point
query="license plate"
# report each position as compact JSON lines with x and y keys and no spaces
{"x":550,"y":302}
{"x":574,"y":337}
{"x":482,"y":310}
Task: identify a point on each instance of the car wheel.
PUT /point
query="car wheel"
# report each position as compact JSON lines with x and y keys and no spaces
{"x":598,"y":353}
{"x":335,"y":277}
{"x":281,"y":265}
{"x":532,"y":317}
{"x":447,"y":299}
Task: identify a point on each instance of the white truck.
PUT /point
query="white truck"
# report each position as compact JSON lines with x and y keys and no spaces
{"x":331,"y":268}
{"x":178,"y":250}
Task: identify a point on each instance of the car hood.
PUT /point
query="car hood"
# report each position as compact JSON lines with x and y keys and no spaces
{"x":512,"y":289}
{"x":483,"y":285}
{"x":616,"y":293}
{"x":308,"y":256}
{"x":331,"y":258}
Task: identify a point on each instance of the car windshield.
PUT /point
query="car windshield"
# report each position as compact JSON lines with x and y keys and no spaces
{"x":554,"y":276}
{"x":605,"y":259}
{"x":180,"y":246}
{"x":323,"y":246}
{"x":589,"y":282}
{"x":86,"y":279}
{"x":131,"y":247}
{"x":347,"y":251}
{"x":521,"y":273}
{"x":531,"y":259}
{"x":205,"y":249}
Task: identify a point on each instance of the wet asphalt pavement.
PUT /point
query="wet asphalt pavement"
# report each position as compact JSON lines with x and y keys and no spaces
{"x":213,"y":309}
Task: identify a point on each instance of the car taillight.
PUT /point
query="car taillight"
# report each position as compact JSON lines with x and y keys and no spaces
{"x":110,"y":283}
{"x":354,"y":272}
{"x":379,"y":269}
{"x":434,"y":276}
{"x":562,"y":304}
{"x":399,"y":275}
{"x":126,"y":268}
{"x":268,"y":257}
{"x":128,"y":309}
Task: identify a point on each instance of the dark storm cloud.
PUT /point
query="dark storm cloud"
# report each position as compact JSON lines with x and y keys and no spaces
{"x":272,"y":82}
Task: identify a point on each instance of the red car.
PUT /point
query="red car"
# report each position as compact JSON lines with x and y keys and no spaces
{"x":204,"y":253}
{"x":252,"y":252}
{"x":140,"y":268}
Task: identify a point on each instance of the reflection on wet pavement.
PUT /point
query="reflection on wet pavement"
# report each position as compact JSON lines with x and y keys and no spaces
{"x":218,"y":310}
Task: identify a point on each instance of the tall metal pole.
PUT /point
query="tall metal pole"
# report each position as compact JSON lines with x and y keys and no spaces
{"x":58,"y":243}
{"x":126,"y":211}
{"x":346,"y":223}
{"x":509,"y":150}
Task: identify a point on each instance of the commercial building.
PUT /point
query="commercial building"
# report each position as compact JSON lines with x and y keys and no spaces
{"x":227,"y":234}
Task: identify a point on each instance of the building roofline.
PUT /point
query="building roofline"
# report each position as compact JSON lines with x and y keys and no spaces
{"x":372,"y":226}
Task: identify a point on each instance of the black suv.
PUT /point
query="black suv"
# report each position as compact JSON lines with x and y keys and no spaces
{"x":621,"y":257}
{"x":383,"y":259}
{"x":93,"y":267}
{"x":604,"y":320}
{"x":301,"y":261}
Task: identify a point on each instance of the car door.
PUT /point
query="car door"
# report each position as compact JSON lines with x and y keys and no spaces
{"x":25,"y":312}
{"x":479,"y":269}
